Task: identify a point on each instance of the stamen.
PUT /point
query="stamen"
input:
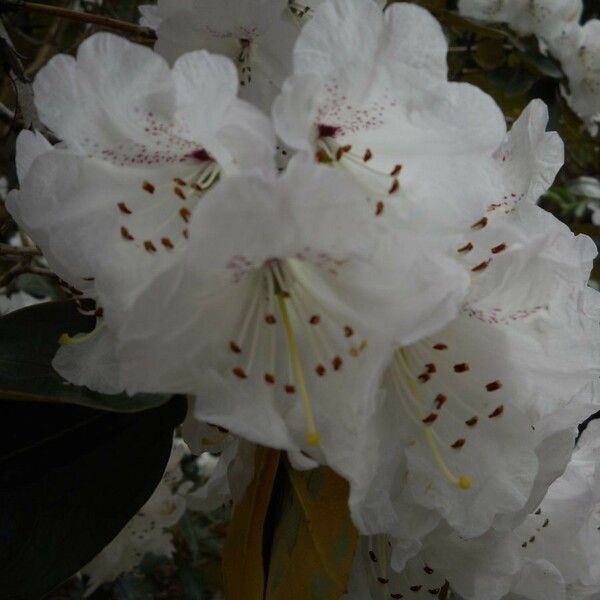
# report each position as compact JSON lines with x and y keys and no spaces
{"x":462,"y":482}
{"x":66,"y":340}
{"x":313,"y":437}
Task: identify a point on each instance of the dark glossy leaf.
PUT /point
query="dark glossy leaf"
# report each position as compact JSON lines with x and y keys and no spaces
{"x":511,"y":81}
{"x":28,"y":343}
{"x":543,"y":64}
{"x":70,"y":479}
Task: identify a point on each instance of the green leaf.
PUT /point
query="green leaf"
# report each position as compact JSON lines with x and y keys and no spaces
{"x":543,"y":64}
{"x":489,"y":53}
{"x":70,"y":479}
{"x":28,"y":343}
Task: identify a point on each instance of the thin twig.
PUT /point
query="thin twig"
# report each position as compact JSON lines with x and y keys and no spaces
{"x":12,"y":273}
{"x":22,"y":267}
{"x":19,"y":250}
{"x":6,"y":112}
{"x":24,"y":90}
{"x":81,"y":17}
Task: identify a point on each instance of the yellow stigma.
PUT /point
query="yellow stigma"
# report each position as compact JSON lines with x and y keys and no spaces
{"x":464,"y":481}
{"x":312,"y":438}
{"x":65,"y":339}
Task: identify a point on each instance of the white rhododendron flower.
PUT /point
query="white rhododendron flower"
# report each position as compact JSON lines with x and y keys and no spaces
{"x":579,"y":54}
{"x":464,"y":400}
{"x":479,"y":404}
{"x":552,"y":555}
{"x":148,"y":531}
{"x":545,"y":18}
{"x":258,"y":35}
{"x":110,"y":205}
{"x":370,"y":97}
{"x":281,"y":316}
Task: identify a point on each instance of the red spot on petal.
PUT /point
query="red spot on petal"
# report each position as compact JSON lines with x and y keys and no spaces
{"x":185,"y":214}
{"x":461,"y":368}
{"x":394,"y":187}
{"x":123,"y":208}
{"x":396,"y":171}
{"x":497,"y":412}
{"x":430,"y":418}
{"x":337,"y":363}
{"x":379,"y":209}
{"x":467,"y":248}
{"x":499,"y":248}
{"x":440,"y":347}
{"x":167,"y":243}
{"x":201,"y":155}
{"x":270,"y":378}
{"x":235,"y":347}
{"x":290,"y":389}
{"x":126,"y":235}
{"x":149,"y":247}
{"x":315,"y":320}
{"x":327,"y":130}
{"x":481,"y":266}
{"x":179,"y":193}
{"x":480,"y":224}
{"x":493,"y":386}
{"x":472,"y":422}
{"x":459,"y":443}
{"x":440,"y":400}
{"x":239,"y":373}
{"x":148,"y":187}
{"x":368,"y":155}
{"x":320,"y":370}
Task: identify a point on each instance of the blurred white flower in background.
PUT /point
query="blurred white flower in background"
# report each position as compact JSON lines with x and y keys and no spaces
{"x":557,"y":25}
{"x":258,"y":35}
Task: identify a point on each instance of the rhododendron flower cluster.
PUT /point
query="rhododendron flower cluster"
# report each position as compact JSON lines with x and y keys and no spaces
{"x":557,"y":25}
{"x":388,"y":301}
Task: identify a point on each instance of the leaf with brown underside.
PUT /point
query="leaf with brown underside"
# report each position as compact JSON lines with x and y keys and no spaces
{"x":243,"y":565}
{"x":314,"y":540}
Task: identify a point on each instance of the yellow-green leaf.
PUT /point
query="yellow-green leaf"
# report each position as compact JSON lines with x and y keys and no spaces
{"x":243,"y":565}
{"x":489,"y":53}
{"x":314,"y":539}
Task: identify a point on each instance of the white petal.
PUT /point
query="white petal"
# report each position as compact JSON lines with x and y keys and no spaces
{"x":229,"y":480}
{"x":99,"y":99}
{"x":339,"y":264}
{"x":92,"y":363}
{"x":94,"y":221}
{"x":30,"y":145}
